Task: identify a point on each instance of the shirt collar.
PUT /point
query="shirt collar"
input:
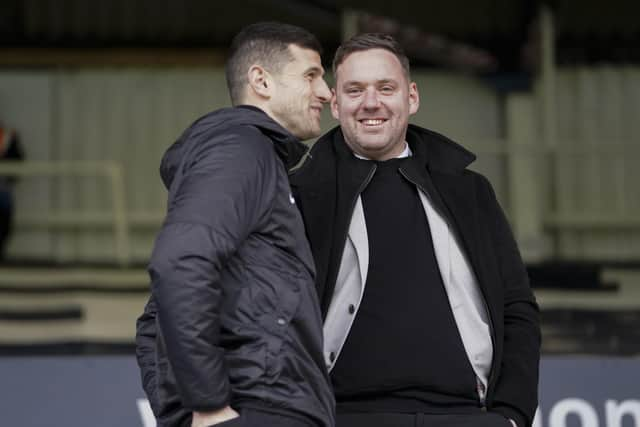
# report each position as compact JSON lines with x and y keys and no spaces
{"x":405,"y":153}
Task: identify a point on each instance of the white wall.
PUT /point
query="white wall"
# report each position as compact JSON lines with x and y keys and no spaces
{"x":599,"y":153}
{"x":132,"y":115}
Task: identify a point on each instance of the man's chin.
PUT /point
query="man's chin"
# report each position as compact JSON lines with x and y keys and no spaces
{"x":308,"y":134}
{"x":315,"y":131}
{"x":373,"y":144}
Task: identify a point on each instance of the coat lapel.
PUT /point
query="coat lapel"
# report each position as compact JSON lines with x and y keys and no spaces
{"x":360,"y":240}
{"x":458,"y":195}
{"x":439,"y":167}
{"x":351,"y":176}
{"x":440,"y":236}
{"x":328,"y":192}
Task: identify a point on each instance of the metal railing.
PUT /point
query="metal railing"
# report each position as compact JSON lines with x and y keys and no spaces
{"x":117,"y":218}
{"x":123,"y":223}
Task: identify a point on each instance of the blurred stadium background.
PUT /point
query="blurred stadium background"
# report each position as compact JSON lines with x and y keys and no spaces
{"x":547,"y":94}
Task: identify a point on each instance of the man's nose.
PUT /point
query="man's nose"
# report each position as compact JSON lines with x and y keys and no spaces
{"x":322,"y":91}
{"x":371,"y":100}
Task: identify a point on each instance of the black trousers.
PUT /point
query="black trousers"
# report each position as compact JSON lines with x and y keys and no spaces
{"x":254,"y":418}
{"x":386,"y":419}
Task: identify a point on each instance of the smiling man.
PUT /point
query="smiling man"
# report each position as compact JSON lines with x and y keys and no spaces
{"x":232,"y":333}
{"x":429,"y":317}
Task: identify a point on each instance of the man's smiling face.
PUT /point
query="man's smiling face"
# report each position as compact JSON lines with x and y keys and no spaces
{"x":299,"y":93}
{"x":373,"y":100}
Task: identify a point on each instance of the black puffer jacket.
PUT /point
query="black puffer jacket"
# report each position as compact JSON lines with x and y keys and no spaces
{"x":233,"y":317}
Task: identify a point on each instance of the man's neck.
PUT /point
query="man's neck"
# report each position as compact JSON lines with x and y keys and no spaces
{"x":406,"y":152}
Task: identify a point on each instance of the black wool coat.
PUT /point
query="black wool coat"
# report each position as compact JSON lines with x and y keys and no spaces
{"x":327,"y":186}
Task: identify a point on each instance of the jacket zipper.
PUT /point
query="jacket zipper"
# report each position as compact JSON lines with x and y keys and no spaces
{"x":486,"y":307}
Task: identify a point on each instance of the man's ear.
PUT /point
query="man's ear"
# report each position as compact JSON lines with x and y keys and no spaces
{"x":334,"y":104}
{"x":260,"y":82}
{"x":414,"y":98}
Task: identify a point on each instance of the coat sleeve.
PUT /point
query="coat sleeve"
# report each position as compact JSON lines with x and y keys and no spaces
{"x":146,"y":334}
{"x":516,"y":388}
{"x":223,"y":195}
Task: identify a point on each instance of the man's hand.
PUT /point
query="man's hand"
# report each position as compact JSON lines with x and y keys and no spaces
{"x":205,"y":419}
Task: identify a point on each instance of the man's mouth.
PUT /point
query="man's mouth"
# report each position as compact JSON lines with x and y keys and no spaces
{"x":372,"y":122}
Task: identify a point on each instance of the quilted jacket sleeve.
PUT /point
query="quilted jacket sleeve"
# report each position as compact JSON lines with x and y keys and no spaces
{"x":217,"y":199}
{"x":146,"y":334}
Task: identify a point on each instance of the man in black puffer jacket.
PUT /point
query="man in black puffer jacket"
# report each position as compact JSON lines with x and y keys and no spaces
{"x":233,"y":323}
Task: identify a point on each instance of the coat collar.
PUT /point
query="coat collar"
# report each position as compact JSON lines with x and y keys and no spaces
{"x":434,"y":150}
{"x":437,"y":151}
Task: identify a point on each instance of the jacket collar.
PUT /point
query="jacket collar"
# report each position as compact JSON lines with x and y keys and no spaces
{"x":288,"y":147}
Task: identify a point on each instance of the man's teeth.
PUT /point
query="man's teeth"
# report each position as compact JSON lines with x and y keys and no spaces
{"x":372,"y":122}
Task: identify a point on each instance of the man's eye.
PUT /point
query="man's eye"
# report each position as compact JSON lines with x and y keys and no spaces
{"x":353,"y":90}
{"x":386,"y":89}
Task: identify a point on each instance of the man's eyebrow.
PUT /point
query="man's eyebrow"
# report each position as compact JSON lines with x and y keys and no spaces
{"x":378,"y":82}
{"x":314,"y":69}
{"x":352,"y":83}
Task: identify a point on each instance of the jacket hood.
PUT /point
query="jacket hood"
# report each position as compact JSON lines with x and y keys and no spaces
{"x":288,"y":147}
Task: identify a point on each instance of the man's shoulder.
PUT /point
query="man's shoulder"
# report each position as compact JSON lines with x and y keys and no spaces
{"x":249,"y":134}
{"x":442,"y":152}
{"x":241,"y":137}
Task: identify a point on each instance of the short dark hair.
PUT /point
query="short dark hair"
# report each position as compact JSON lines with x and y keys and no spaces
{"x":267,"y":44}
{"x":368,"y":41}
